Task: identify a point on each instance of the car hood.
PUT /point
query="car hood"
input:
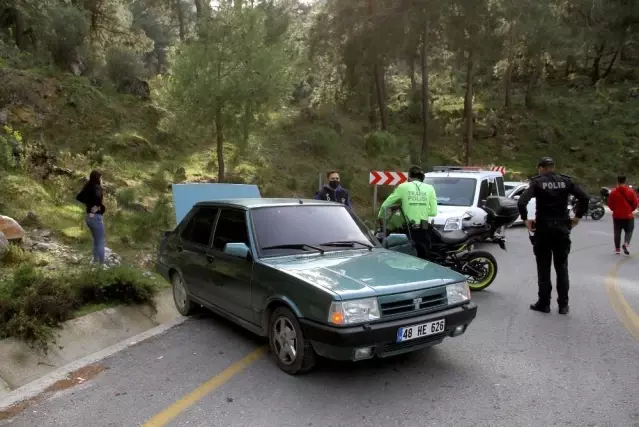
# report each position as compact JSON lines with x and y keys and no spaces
{"x":359,"y":274}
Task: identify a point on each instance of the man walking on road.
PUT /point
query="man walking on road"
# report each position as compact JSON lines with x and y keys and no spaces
{"x":551,"y":229}
{"x":622,"y":202}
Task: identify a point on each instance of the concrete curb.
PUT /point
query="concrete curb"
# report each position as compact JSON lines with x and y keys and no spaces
{"x":81,"y":338}
{"x":37,"y":387}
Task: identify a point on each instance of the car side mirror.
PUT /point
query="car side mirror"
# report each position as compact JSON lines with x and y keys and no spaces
{"x":396,"y":239}
{"x":516,"y":198}
{"x":482,"y":203}
{"x":237,"y":250}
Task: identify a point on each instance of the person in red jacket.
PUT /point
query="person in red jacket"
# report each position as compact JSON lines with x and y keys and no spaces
{"x":622,"y":202}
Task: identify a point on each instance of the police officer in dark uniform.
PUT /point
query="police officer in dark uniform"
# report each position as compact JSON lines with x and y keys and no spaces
{"x":551,"y":229}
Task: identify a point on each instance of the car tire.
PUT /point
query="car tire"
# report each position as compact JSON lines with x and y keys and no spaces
{"x":284,"y":335}
{"x":181,"y":299}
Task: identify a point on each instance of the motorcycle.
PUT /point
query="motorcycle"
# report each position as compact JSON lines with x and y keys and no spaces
{"x":595,"y":210}
{"x":456,"y":249}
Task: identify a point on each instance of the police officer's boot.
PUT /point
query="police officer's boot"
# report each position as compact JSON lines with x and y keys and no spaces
{"x":564,"y":309}
{"x":539,"y":306}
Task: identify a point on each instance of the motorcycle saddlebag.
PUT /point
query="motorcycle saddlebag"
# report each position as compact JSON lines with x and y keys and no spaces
{"x":502,"y":210}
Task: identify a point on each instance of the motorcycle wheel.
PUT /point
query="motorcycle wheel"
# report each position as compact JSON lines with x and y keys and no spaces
{"x":480,"y":269}
{"x":597,"y":214}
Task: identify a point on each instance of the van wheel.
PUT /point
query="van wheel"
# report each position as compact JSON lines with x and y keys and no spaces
{"x":293,"y":354}
{"x":183,"y":303}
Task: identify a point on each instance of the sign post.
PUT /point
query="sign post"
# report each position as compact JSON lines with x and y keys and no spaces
{"x":376,"y":178}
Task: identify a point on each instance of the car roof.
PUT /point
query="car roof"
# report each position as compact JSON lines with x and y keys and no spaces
{"x":464,"y":174}
{"x":266,"y":202}
{"x":515,"y":183}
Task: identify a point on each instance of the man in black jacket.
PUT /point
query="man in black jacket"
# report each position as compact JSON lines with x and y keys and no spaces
{"x":333,"y":191}
{"x":551,"y":229}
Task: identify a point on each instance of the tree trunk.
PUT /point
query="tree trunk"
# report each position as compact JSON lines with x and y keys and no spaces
{"x":509,"y":69}
{"x":202,"y":9}
{"x":220,"y":143}
{"x":594,"y":74}
{"x":411,"y":76}
{"x":468,"y":105}
{"x":180,"y":15}
{"x":378,"y":72}
{"x":381,"y":102}
{"x":372,"y":114}
{"x":530,"y":88}
{"x":571,"y":65}
{"x":246,"y":127}
{"x":423,"y":154}
{"x":622,"y":41}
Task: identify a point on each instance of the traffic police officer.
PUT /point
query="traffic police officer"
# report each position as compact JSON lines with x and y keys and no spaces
{"x":551,"y":229}
{"x":418,"y":201}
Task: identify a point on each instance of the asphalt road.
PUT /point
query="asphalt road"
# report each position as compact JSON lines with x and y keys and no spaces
{"x":513,"y":367}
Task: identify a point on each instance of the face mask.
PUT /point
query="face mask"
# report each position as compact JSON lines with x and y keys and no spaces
{"x":333,"y":184}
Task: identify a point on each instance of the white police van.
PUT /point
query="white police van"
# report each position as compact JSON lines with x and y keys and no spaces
{"x":461,"y":191}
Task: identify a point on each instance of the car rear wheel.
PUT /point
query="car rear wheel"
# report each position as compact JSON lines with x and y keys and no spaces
{"x":181,"y":298}
{"x":293,"y":354}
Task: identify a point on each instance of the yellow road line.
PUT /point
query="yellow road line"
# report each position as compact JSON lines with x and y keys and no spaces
{"x":628,"y":317}
{"x":167,"y":415}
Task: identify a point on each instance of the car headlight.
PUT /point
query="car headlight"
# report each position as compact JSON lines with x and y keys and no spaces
{"x":355,"y":311}
{"x":453,"y":224}
{"x":458,"y":293}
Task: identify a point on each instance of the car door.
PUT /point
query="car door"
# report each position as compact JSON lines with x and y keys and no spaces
{"x":230,"y":276}
{"x":484,"y":192}
{"x":193,"y":247}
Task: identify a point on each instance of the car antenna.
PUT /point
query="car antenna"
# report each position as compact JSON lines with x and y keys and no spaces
{"x":299,"y":200}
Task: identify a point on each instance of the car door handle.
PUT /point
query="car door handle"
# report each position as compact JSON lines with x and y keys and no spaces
{"x":210,"y":259}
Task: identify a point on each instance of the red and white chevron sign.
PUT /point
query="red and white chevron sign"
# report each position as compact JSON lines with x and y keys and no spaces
{"x":501,"y":169}
{"x":387,"y":178}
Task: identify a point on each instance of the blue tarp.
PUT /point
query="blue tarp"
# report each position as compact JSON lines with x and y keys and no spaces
{"x":187,"y":195}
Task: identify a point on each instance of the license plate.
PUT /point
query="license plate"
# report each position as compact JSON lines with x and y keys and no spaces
{"x":417,"y":331}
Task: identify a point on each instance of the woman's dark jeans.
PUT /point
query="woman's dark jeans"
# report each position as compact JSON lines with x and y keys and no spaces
{"x":96,"y":226}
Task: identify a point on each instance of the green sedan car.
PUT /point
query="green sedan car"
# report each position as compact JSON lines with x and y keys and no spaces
{"x":312,"y":278}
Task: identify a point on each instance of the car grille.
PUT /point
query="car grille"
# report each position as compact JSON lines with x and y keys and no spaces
{"x":424,"y":301}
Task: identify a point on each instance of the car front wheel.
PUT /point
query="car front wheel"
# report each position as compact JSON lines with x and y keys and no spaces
{"x":293,"y":354}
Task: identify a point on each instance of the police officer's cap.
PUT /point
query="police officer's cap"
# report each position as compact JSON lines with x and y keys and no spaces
{"x":545,"y":161}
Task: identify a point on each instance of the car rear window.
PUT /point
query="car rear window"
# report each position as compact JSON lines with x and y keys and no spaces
{"x":307,"y":225}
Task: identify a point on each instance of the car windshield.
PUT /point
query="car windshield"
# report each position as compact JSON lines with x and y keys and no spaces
{"x":281,"y":230}
{"x":453,"y":191}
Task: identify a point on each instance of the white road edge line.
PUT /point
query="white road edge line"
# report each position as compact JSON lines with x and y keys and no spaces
{"x":37,"y":387}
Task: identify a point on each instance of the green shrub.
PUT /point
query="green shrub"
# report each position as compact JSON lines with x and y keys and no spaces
{"x":11,"y":144}
{"x":123,"y":64}
{"x":324,"y":141}
{"x":122,"y":284}
{"x":15,"y":255}
{"x":377,"y":143}
{"x":148,"y":225}
{"x":126,"y":197}
{"x":68,"y":28}
{"x":34,"y":302}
